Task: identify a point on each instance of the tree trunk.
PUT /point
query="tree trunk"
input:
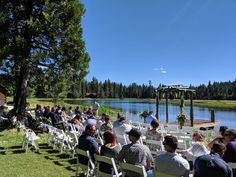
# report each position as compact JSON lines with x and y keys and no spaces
{"x":20,"y":96}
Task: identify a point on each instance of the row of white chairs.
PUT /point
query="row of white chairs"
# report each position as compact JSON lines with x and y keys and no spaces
{"x":91,"y":169}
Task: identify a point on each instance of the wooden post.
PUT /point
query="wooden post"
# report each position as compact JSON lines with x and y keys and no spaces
{"x":212,"y":115}
{"x":166,"y":107}
{"x":191,"y":108}
{"x":157,"y":104}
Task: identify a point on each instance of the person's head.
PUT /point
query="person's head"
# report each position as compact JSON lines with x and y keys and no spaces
{"x":107,"y":119}
{"x":150,"y":113}
{"x":229,"y":135}
{"x":76,"y":118}
{"x":63,"y":108}
{"x":198,"y":136}
{"x":170,"y":143}
{"x":155,"y":124}
{"x":122,"y":119}
{"x":109,"y":137}
{"x":134,"y":135}
{"x":90,"y":129}
{"x":222,"y":130}
{"x":218,"y":148}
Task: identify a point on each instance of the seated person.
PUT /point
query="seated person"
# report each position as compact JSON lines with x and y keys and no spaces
{"x":230,"y":152}
{"x":109,"y":149}
{"x":106,"y":126}
{"x":198,"y":148}
{"x":154,"y":134}
{"x":87,"y":141}
{"x":220,"y":138}
{"x":136,"y":153}
{"x":170,"y":162}
{"x":212,"y":165}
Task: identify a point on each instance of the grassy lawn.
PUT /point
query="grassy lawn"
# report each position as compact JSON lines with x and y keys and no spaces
{"x":14,"y":162}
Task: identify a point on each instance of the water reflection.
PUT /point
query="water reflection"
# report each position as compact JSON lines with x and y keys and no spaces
{"x":132,"y":108}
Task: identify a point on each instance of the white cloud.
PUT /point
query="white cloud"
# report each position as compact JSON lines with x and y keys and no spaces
{"x":161,"y":69}
{"x":163,"y":72}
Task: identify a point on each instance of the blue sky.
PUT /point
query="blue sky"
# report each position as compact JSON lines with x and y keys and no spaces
{"x":165,"y":41}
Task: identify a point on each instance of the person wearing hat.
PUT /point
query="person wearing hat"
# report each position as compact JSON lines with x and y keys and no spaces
{"x":135,"y":152}
{"x":170,"y":162}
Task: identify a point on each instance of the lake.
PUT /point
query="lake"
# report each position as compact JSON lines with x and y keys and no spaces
{"x":133,"y":107}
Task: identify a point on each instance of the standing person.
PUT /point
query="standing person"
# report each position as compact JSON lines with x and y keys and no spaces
{"x":170,"y":162}
{"x":95,"y":106}
{"x":212,"y":165}
{"x":136,"y":153}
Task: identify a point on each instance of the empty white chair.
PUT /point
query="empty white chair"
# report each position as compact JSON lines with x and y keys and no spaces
{"x":87,"y":167}
{"x":29,"y":138}
{"x":102,"y":160}
{"x":71,"y":141}
{"x":172,"y":128}
{"x":127,"y":167}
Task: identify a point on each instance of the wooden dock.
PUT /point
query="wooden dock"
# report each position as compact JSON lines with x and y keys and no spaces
{"x":200,"y":123}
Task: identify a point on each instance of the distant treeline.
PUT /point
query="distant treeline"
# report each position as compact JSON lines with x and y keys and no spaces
{"x":108,"y":89}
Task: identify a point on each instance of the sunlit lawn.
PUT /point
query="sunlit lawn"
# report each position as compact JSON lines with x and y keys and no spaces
{"x":14,"y":162}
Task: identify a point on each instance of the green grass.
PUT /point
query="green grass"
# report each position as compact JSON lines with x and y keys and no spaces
{"x":15,"y":162}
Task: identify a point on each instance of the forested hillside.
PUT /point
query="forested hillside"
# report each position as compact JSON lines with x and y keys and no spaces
{"x":39,"y":87}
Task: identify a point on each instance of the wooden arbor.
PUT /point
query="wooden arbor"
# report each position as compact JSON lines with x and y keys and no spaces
{"x":174,"y":91}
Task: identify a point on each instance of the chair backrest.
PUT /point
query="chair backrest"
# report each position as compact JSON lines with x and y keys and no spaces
{"x":122,"y":139}
{"x":232,"y":165}
{"x":160,"y":174}
{"x":87,"y":168}
{"x":102,"y":160}
{"x":127,"y":167}
{"x":155,"y":143}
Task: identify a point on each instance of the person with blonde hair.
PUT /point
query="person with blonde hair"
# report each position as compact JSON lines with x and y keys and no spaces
{"x":198,"y":148}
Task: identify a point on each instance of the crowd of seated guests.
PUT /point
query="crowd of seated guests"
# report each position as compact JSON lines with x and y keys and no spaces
{"x":208,"y":159}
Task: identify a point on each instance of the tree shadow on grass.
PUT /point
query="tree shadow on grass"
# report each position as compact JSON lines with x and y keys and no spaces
{"x":58,"y":163}
{"x":63,"y":156}
{"x":2,"y":148}
{"x":52,"y":151}
{"x":15,"y":147}
{"x":3,"y":153}
{"x":18,"y":151}
{"x":72,"y":161}
{"x":70,"y":169}
{"x":48,"y":158}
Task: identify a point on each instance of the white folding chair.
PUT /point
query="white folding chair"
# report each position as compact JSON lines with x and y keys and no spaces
{"x":160,"y":174}
{"x":127,"y":167}
{"x":154,"y":143}
{"x":71,"y":141}
{"x":87,"y":168}
{"x":59,"y":139}
{"x":232,"y":165}
{"x":102,"y":160}
{"x":29,"y":138}
{"x":122,"y":139}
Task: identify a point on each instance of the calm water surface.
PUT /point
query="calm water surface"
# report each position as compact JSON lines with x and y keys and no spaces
{"x":132,"y":109}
